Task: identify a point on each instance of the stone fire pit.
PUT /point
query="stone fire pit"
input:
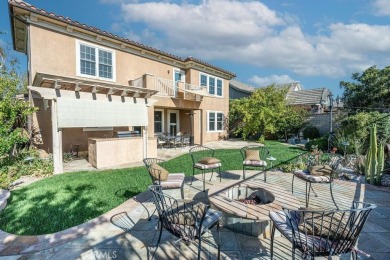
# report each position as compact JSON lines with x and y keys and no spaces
{"x":245,"y":206}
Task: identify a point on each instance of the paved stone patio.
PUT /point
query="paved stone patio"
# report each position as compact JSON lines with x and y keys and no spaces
{"x":126,"y":233}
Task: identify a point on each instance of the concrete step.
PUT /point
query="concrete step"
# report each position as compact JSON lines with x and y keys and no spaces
{"x":4,"y":195}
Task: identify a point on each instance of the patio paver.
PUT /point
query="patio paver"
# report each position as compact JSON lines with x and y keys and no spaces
{"x":125,"y":232}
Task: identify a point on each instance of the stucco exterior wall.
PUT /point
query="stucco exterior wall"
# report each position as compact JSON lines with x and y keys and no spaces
{"x":50,"y":51}
{"x":55,"y":53}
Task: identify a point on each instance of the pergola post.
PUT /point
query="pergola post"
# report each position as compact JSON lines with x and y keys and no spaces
{"x":57,"y":140}
{"x":145,"y":139}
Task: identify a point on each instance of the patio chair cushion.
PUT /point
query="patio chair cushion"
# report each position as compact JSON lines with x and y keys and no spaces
{"x":207,"y":166}
{"x":320,"y":170}
{"x":255,"y":163}
{"x":186,"y":213}
{"x":209,"y":160}
{"x":252,"y":155}
{"x":326,"y":225}
{"x":283,"y":225}
{"x":211,"y":217}
{"x":305,"y":175}
{"x":174,"y":180}
{"x":158,"y":172}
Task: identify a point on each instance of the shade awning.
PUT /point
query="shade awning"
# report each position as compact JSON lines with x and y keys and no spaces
{"x":95,"y":113}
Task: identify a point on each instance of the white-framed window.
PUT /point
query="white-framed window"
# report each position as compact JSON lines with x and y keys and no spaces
{"x":219,"y":87}
{"x":94,"y":61}
{"x":158,"y":121}
{"x":215,"y":121}
{"x":214,"y":85}
{"x":203,"y":80}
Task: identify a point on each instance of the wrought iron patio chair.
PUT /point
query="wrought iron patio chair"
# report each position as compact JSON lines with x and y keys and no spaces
{"x":203,"y":159}
{"x":186,"y":139}
{"x":177,"y":141}
{"x":162,"y":141}
{"x":321,"y":232}
{"x":321,"y":170}
{"x":254,"y":156}
{"x":188,"y":220}
{"x":172,"y":180}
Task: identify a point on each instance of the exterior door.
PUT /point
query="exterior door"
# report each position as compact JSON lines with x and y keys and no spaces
{"x":178,"y":76}
{"x":173,"y":122}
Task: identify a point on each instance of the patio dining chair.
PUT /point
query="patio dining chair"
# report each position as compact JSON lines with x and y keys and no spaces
{"x":162,"y":177}
{"x":254,"y":156}
{"x":186,"y":139}
{"x":203,"y":159}
{"x":162,"y":141}
{"x":319,"y":232}
{"x":187,"y":220}
{"x":324,"y":171}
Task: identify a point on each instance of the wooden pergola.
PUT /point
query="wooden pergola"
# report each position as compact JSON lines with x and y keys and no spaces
{"x":79,"y":103}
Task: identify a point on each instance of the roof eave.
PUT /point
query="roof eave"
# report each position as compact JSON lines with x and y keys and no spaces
{"x":16,"y":38}
{"x":188,"y":62}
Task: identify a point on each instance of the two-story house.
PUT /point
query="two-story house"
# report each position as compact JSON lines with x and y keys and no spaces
{"x":89,"y":85}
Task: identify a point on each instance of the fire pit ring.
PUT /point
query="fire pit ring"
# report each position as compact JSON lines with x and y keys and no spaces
{"x":249,"y":218}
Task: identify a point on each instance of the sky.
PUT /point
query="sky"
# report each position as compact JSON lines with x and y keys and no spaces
{"x":315,"y":42}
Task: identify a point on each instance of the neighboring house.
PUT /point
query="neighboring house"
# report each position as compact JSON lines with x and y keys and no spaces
{"x":239,"y":89}
{"x":89,"y":84}
{"x":314,"y":100}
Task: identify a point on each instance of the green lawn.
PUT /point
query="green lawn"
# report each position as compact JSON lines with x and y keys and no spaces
{"x":69,"y":199}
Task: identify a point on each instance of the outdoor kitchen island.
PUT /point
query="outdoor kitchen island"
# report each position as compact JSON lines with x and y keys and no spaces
{"x":111,"y":152}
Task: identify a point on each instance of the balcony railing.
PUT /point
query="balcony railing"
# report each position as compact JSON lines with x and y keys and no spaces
{"x":166,"y":87}
{"x":138,"y":83}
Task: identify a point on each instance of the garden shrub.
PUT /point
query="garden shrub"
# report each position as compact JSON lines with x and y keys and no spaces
{"x":311,"y":132}
{"x":290,"y":167}
{"x":356,"y":128}
{"x":12,"y":168}
{"x":320,"y":143}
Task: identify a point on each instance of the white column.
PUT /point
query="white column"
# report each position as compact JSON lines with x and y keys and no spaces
{"x":57,"y":140}
{"x":145,"y":139}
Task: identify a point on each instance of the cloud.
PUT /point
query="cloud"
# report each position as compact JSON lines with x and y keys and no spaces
{"x":117,"y":1}
{"x":250,"y":33}
{"x":382,"y":7}
{"x":273,"y":79}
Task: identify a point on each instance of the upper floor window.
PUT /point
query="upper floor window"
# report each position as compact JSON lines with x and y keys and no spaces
{"x":203,"y":80}
{"x":214,"y":85}
{"x":95,"y":62}
{"x":219,"y":87}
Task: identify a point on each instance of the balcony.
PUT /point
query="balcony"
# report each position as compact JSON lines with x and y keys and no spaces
{"x":169,"y":88}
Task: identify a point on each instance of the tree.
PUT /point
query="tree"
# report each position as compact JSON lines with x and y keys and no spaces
{"x":356,"y":129}
{"x":370,"y":89}
{"x":291,"y":120}
{"x":265,"y":111}
{"x":13,"y":110}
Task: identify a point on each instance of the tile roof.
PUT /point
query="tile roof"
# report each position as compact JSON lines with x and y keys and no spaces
{"x":26,"y":6}
{"x":241,"y":86}
{"x":307,"y":96}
